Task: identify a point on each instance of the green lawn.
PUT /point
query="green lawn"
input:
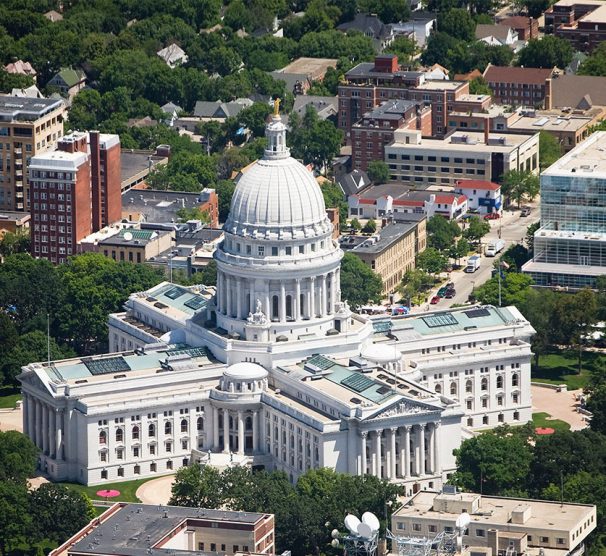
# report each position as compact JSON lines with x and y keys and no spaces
{"x":9,"y":397}
{"x":560,"y":367}
{"x":543,"y":420}
{"x":127,"y":490}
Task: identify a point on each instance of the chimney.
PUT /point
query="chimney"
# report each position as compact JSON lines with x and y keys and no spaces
{"x":486,"y":131}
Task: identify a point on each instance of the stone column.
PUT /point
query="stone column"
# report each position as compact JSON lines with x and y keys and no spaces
{"x":221,"y":296}
{"x":229,"y":298}
{"x":252,"y":300}
{"x":267,"y":302}
{"x":333,"y":292}
{"x":378,"y":452}
{"x":422,"y":447}
{"x":215,"y":418}
{"x":312,"y":297}
{"x":338,"y":284}
{"x":282,"y":302}
{"x":44,"y":429}
{"x":296,"y":309}
{"x":363,"y":459}
{"x":225,"y":431}
{"x":239,"y":294}
{"x":406,"y":473}
{"x":417,"y":443}
{"x":59,"y":434}
{"x":51,"y":432}
{"x":436,"y":437}
{"x":323,"y":301}
{"x":255,"y":423}
{"x":392,"y":453}
{"x":432,"y":433}
{"x":240,"y":433}
{"x":30,"y":416}
{"x":37,"y":423}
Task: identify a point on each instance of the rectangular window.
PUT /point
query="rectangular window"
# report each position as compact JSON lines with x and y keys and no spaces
{"x":261,"y":250}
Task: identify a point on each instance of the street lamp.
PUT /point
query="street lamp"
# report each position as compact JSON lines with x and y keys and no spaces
{"x":171,"y":256}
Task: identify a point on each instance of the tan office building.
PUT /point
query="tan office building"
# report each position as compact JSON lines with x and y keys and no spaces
{"x":526,"y":526}
{"x":28,"y":126}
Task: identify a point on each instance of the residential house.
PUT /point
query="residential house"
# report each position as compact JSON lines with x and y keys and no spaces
{"x":172,"y":112}
{"x":29,"y":92}
{"x":482,"y":196}
{"x":354,"y":182}
{"x":53,"y":16}
{"x":21,"y":68}
{"x":326,"y":107}
{"x":520,"y":86}
{"x":496,"y":35}
{"x":219,"y":111}
{"x":69,"y":81}
{"x":526,"y":27}
{"x":382,"y":35}
{"x":419,"y":27}
{"x":173,"y":55}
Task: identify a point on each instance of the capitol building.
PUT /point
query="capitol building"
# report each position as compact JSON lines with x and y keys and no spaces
{"x":273,"y":369}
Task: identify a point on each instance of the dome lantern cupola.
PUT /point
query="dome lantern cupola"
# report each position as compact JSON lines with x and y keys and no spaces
{"x":275,"y":132}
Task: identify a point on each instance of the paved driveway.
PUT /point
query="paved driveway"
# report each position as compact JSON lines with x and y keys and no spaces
{"x":560,"y":405}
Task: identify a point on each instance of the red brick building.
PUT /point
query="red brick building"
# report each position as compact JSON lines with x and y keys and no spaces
{"x":75,"y":191}
{"x":583,"y":23}
{"x":370,"y":84}
{"x":520,"y":86}
{"x":374,"y":130}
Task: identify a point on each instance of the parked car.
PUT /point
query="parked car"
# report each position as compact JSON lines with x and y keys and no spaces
{"x":525,"y":211}
{"x":450,"y":294}
{"x":435,"y":299}
{"x":442,"y":291}
{"x":492,"y":216}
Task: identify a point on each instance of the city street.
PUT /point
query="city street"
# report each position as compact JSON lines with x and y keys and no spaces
{"x":512,"y":228}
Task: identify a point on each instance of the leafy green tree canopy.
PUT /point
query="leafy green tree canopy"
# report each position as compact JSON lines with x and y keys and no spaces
{"x":359,"y":284}
{"x":547,"y":52}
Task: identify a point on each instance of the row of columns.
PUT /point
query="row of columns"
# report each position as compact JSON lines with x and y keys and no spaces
{"x":414,"y":455}
{"x":240,"y":414}
{"x":282,"y":441}
{"x":311,"y":297}
{"x":44,"y":424}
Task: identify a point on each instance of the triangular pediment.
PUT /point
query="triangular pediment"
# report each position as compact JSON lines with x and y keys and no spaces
{"x":403,"y":407}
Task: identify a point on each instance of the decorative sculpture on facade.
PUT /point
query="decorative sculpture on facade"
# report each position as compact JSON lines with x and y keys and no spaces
{"x":259,"y":316}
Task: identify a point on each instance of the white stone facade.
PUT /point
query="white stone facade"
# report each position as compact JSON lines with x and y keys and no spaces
{"x":272,"y":369}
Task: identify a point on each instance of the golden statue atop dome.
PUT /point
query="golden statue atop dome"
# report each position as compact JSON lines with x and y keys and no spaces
{"x":277,"y":107}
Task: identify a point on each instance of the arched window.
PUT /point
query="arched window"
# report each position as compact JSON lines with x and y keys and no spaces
{"x":301,"y":309}
{"x":135,"y":433}
{"x":438,"y":389}
{"x":514,"y":379}
{"x":289,"y":306}
{"x":200,"y":424}
{"x":484,"y":384}
{"x":500,"y":381}
{"x":151,"y":430}
{"x":183,"y":425}
{"x":102,"y":437}
{"x":119,"y":435}
{"x":248,"y":424}
{"x":469,"y":386}
{"x":168,"y":429}
{"x":275,"y":308}
{"x":453,"y":388}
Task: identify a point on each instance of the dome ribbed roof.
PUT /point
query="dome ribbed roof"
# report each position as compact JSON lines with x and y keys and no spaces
{"x":245,"y":371}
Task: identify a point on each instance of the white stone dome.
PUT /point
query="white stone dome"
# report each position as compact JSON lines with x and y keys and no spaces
{"x":381,"y":353}
{"x":245,"y":371}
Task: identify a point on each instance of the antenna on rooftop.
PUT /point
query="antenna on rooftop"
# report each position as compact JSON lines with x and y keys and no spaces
{"x":48,"y":357}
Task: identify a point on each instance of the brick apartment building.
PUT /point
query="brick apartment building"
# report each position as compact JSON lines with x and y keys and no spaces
{"x":375,"y":129}
{"x":583,"y":23}
{"x":75,"y":191}
{"x":520,"y":86}
{"x":28,"y":126}
{"x":370,"y":84}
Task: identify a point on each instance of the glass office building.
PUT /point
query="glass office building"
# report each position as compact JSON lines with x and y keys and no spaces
{"x":570,"y":246}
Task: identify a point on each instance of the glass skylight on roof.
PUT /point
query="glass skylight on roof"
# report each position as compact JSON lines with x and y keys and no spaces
{"x":321,"y":362}
{"x":175,"y":292}
{"x":479,"y":312}
{"x":443,"y":319}
{"x":106,"y":366}
{"x":196,"y":302}
{"x":357,"y":382}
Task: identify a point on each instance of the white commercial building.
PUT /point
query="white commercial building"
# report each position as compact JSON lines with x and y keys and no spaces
{"x":272,"y":368}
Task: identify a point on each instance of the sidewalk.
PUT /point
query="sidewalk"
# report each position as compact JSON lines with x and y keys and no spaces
{"x":11,"y":420}
{"x":560,"y":405}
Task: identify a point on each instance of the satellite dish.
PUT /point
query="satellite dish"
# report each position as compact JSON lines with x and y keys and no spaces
{"x":463,"y":521}
{"x":371,"y":520}
{"x":365,"y":531}
{"x":127,"y":236}
{"x":352,"y":522}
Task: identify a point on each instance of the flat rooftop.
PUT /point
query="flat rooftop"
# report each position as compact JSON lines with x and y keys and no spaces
{"x":174,"y":300}
{"x":366,"y":69}
{"x":390,"y":110}
{"x":159,"y":206}
{"x":135,"y":163}
{"x":579,"y":3}
{"x":14,"y":109}
{"x":551,"y":123}
{"x":596,"y":16}
{"x":133,"y":237}
{"x":497,"y":510}
{"x":309,"y":66}
{"x":440,"y":85}
{"x":140,"y":529}
{"x":586,"y":160}
{"x":466,"y":141}
{"x":387,"y":236}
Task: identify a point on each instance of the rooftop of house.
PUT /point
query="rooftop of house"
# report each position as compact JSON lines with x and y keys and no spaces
{"x":141,"y":529}
{"x":380,"y":242}
{"x":131,"y":237}
{"x":367,"y":23}
{"x":21,"y":67}
{"x":499,"y":31}
{"x":550,"y":123}
{"x":218,"y":109}
{"x":462,"y":141}
{"x":578,"y":91}
{"x":389,"y":110}
{"x":478,"y":184}
{"x":353,"y":182}
{"x":71,"y":76}
{"x":588,"y":159}
{"x":544,"y":514}
{"x":516,"y":21}
{"x":14,"y":109}
{"x":315,"y":68}
{"x":509,"y":74}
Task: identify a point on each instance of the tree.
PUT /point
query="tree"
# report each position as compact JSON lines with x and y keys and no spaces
{"x":198,"y":486}
{"x":370,"y":227}
{"x":404,"y":48}
{"x":208,"y":275}
{"x":476,"y":229}
{"x":378,"y":172}
{"x":225,"y":190}
{"x":514,"y":289}
{"x":457,"y":23}
{"x":479,"y":86}
{"x":494,"y":463}
{"x":254,"y":117}
{"x":12,"y":243}
{"x":192,"y":213}
{"x":537,"y":308}
{"x":431,"y":261}
{"x":414,"y":285}
{"x":595,"y":63}
{"x":442,"y":232}
{"x":439,"y":47}
{"x":359,"y":284}
{"x":520,"y":185}
{"x":15,"y":521}
{"x":334,"y":198}
{"x":18,"y":457}
{"x":529,"y":237}
{"x":596,"y":403}
{"x":550,"y":150}
{"x":58,"y":512}
{"x":535,"y":8}
{"x":355,"y":225}
{"x":546,"y":52}
{"x":459,"y":250}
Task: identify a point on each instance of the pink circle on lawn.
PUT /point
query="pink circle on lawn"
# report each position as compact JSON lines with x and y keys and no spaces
{"x":544,"y":430}
{"x":108,"y":493}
